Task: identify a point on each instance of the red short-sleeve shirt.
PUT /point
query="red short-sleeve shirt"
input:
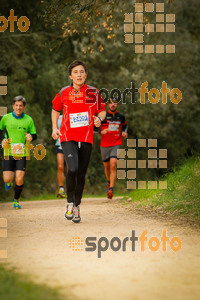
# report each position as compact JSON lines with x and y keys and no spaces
{"x":78,"y":107}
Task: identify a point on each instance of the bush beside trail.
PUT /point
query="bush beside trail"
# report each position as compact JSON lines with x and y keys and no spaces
{"x":182,"y":196}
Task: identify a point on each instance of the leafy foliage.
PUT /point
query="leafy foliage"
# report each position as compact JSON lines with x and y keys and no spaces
{"x":36,"y":63}
{"x":182,"y":195}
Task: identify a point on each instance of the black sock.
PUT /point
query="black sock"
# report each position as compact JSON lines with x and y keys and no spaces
{"x":111,"y":188}
{"x":18,"y":190}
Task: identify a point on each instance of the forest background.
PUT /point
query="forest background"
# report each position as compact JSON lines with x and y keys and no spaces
{"x":36,"y":65}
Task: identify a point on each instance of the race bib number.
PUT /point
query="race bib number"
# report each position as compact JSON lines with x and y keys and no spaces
{"x":17,"y":148}
{"x":79,"y":119}
{"x":113,"y":127}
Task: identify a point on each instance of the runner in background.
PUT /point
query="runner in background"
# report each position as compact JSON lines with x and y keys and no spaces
{"x":80,"y":104}
{"x":113,"y":128}
{"x":60,"y":163}
{"x":19,"y":128}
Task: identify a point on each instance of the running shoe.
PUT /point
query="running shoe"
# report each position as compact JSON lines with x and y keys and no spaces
{"x":8,"y":186}
{"x":16,"y":204}
{"x":76,"y":218}
{"x":61,"y":194}
{"x":110,"y":194}
{"x":69,"y":211}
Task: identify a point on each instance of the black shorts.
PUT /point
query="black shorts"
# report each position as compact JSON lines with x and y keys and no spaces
{"x":13,"y":164}
{"x":58,"y":149}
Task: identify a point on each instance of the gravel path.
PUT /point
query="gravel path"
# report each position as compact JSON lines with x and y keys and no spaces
{"x":38,"y":244}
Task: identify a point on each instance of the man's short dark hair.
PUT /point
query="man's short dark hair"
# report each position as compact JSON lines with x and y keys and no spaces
{"x":19,"y":98}
{"x":76,"y":63}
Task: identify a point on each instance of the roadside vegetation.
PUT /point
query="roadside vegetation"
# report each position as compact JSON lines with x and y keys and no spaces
{"x":17,"y":286}
{"x":182,"y":195}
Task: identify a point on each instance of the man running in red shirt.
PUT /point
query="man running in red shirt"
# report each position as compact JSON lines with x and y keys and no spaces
{"x":111,"y":140}
{"x":79,"y":102}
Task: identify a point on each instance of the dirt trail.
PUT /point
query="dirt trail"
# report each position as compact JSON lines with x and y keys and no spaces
{"x":38,"y":244}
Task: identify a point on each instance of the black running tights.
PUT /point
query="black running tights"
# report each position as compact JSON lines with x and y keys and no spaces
{"x":77,"y":157}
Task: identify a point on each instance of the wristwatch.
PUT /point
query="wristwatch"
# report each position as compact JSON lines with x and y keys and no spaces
{"x":100,"y":119}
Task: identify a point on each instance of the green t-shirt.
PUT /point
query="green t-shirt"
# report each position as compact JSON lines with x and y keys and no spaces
{"x":15,"y":129}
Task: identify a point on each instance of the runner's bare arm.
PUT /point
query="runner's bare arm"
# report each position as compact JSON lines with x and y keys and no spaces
{"x":97,"y":121}
{"x":124,"y":129}
{"x":28,"y":136}
{"x":4,"y":143}
{"x":105,"y":131}
{"x":102,"y":115}
{"x":54,"y":118}
{"x":124,"y":134}
{"x":3,"y":140}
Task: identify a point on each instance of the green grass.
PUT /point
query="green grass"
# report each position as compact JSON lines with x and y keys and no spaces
{"x":49,"y":197}
{"x":182,"y":195}
{"x":15,"y":286}
{"x":33,"y":198}
{"x":54,"y":197}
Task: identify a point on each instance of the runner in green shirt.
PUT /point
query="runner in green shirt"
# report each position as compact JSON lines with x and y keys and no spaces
{"x":16,"y":129}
